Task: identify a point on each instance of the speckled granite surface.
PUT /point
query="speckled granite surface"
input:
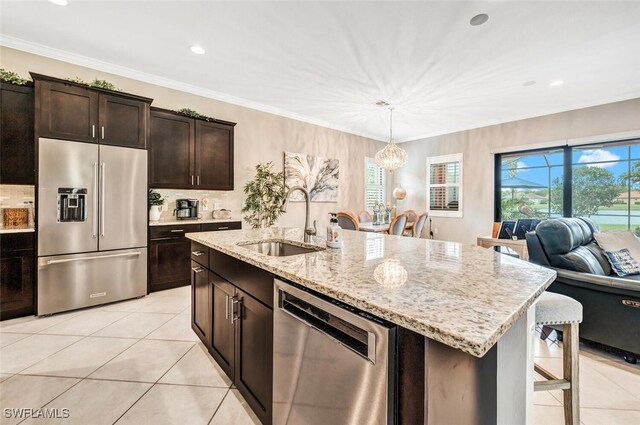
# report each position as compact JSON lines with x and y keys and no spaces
{"x":461,"y":295}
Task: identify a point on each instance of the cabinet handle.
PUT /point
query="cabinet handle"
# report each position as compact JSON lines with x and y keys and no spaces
{"x":223,"y":228}
{"x":197,"y":253}
{"x":177,"y":231}
{"x":196,"y":269}
{"x":198,"y":180}
{"x":226,"y":307}
{"x":102,"y":131}
{"x":93,"y":131}
{"x":235,"y":315}
{"x":191,"y":180}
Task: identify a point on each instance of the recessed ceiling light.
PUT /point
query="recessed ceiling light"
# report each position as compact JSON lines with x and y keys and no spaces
{"x":528,"y":83}
{"x":197,"y":50}
{"x":479,"y":19}
{"x":556,"y":83}
{"x":59,"y":2}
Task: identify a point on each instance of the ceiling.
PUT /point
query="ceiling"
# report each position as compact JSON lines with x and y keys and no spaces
{"x":329,"y":62}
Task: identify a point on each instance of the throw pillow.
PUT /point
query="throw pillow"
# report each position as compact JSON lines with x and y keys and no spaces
{"x":623,"y":263}
{"x":615,"y":241}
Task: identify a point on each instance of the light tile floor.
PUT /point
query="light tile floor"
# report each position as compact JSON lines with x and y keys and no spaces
{"x":133,"y":362}
{"x":138,"y":362}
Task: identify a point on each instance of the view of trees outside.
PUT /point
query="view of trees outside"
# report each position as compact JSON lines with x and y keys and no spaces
{"x":605,"y":185}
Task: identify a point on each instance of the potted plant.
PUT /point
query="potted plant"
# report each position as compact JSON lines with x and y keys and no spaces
{"x":265,"y":194}
{"x":155,"y":205}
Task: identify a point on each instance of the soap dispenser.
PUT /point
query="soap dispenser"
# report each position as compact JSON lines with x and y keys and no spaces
{"x":334,"y":232}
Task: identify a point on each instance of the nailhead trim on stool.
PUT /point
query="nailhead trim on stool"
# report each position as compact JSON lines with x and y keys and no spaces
{"x":557,"y":309}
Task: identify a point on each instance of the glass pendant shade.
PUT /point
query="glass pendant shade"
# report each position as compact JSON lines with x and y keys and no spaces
{"x":399,"y":193}
{"x":391,"y":157}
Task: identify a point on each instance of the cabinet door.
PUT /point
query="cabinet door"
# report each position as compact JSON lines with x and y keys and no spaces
{"x":200,"y":303}
{"x":223,"y":334}
{"x":169,"y":261}
{"x":16,"y":135}
{"x":123,"y":122}
{"x":67,"y":112}
{"x":214,"y":156}
{"x":254,"y":354}
{"x":171,"y":150}
{"x":16,"y":284}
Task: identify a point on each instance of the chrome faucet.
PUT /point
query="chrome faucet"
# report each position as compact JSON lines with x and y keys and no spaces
{"x":308,"y":231}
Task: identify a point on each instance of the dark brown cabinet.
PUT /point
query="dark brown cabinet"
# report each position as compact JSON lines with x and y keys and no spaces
{"x":16,"y":134}
{"x":72,"y":111}
{"x":254,"y":353}
{"x":169,"y":258}
{"x":171,"y":144}
{"x":201,"y":302}
{"x":187,"y":153}
{"x":241,"y":330}
{"x":214,"y":156}
{"x":223,"y":329}
{"x":17,"y":275}
{"x":170,"y":255}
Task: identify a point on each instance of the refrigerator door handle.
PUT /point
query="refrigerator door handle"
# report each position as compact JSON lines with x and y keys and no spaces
{"x":103,"y":170}
{"x":97,"y":257}
{"x":95,"y":201}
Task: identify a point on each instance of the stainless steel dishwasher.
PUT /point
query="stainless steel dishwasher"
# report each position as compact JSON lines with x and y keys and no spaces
{"x":332,"y":364}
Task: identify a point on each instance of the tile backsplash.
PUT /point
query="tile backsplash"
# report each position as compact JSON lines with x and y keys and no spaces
{"x":217,"y":200}
{"x":17,"y":196}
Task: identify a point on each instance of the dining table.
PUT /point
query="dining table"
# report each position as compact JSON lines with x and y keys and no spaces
{"x":379,"y":228}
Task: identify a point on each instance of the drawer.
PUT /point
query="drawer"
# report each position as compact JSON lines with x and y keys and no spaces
{"x":253,"y":280}
{"x":200,"y":253}
{"x":231,"y":225}
{"x":16,"y":241}
{"x":173,"y":231}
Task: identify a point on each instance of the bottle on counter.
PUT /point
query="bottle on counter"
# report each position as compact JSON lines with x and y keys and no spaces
{"x":334,"y":232}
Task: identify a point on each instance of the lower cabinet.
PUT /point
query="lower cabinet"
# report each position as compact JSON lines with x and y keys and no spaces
{"x":17,"y":275}
{"x":201,"y":302}
{"x":240,"y":330}
{"x":169,"y":257}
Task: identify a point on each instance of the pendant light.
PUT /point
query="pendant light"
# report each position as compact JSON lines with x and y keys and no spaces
{"x":391,"y":157}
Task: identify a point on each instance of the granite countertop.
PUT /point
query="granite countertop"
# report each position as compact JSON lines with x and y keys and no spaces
{"x":196,"y":221}
{"x":464,"y":296}
{"x":17,"y":230}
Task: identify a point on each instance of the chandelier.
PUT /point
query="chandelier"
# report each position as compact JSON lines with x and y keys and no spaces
{"x":391,"y":157}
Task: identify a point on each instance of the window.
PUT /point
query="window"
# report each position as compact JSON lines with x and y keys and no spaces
{"x":532,"y":184}
{"x":600,"y":181}
{"x":444,"y":189}
{"x":374,"y":184}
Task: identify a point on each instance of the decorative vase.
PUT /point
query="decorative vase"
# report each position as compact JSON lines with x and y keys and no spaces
{"x":154,"y":212}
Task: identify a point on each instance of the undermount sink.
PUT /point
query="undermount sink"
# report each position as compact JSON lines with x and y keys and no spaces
{"x":279,"y":248}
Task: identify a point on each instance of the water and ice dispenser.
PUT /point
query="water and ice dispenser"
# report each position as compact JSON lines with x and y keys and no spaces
{"x":72,"y":204}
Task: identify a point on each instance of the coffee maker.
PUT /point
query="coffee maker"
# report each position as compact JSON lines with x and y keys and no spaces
{"x":186,"y":209}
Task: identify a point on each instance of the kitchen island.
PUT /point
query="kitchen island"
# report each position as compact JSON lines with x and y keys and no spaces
{"x":470,"y":308}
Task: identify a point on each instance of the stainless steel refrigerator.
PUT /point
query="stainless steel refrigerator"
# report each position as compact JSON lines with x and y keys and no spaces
{"x":92,"y":224}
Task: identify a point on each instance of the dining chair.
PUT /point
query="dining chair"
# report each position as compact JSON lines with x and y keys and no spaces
{"x":418,"y":225}
{"x":347,"y":220}
{"x":397,"y":225}
{"x":364,"y":217}
{"x":411,"y":216}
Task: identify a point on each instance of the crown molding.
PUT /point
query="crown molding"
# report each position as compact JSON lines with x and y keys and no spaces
{"x":97,"y":64}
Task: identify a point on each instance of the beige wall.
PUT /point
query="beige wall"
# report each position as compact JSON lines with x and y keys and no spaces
{"x":477,"y":146}
{"x":259,"y":136}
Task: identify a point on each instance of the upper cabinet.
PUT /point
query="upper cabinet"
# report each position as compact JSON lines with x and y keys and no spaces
{"x":16,"y":135}
{"x":72,"y":111}
{"x":187,"y":153}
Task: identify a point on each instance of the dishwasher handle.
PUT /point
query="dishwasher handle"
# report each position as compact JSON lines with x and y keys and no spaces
{"x":358,"y":340}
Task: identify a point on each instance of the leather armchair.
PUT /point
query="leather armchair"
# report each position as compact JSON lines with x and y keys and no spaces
{"x":611,"y":303}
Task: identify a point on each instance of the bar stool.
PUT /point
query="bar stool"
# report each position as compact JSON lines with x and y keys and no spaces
{"x":557,"y":309}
